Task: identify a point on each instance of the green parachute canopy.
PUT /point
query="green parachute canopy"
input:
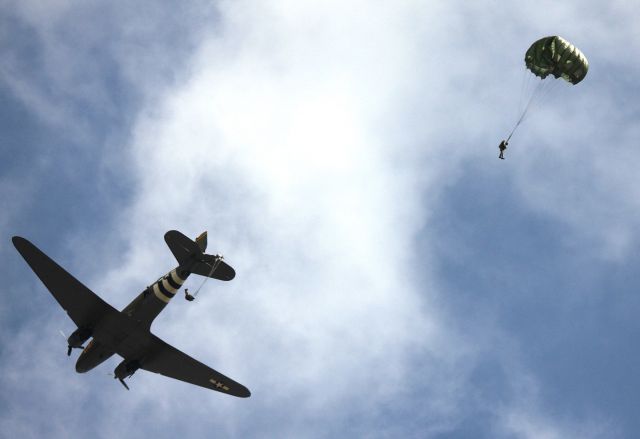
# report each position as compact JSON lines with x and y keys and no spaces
{"x":558,"y":57}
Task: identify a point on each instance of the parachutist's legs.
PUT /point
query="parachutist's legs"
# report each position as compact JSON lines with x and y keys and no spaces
{"x":502,"y":147}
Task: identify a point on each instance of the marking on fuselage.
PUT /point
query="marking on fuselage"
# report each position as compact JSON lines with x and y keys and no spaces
{"x":159,"y":294}
{"x":175,"y":278}
{"x":167,"y":286}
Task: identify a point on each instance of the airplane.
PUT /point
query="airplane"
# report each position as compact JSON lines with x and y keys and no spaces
{"x":128,"y":332}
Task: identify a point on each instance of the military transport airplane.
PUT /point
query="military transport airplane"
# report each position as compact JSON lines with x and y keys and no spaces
{"x":128,"y":332}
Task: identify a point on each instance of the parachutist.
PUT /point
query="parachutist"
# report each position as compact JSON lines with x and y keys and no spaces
{"x":188,"y":296}
{"x":502,"y":147}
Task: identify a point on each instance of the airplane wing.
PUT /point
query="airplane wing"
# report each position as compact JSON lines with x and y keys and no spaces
{"x":169,"y":361}
{"x":84,"y":307}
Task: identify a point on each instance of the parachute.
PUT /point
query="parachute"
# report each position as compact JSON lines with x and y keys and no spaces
{"x":551,"y":56}
{"x":558,"y":57}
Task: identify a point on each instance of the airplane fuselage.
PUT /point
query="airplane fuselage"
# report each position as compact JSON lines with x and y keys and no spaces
{"x":142,"y":311}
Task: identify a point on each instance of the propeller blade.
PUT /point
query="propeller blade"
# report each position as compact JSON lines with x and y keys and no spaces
{"x":123,"y":383}
{"x":65,"y":339}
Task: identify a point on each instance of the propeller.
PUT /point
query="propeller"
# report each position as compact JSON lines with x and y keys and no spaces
{"x":119,"y":379}
{"x":123,"y":383}
{"x":65,"y":339}
{"x":125,"y":369}
{"x":69,"y":347}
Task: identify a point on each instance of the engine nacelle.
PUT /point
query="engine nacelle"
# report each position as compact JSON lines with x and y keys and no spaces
{"x":78,"y":337}
{"x":126,"y":369}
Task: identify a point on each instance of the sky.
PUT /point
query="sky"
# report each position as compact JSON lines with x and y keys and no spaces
{"x":394,"y":278}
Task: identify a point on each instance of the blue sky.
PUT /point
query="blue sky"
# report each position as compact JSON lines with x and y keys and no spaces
{"x":395,"y":279}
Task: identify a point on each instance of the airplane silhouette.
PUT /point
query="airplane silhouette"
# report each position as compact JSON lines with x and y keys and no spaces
{"x":128,"y":332}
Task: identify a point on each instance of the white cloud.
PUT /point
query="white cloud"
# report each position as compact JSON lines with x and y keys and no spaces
{"x":321,"y":276}
{"x":278,"y":146}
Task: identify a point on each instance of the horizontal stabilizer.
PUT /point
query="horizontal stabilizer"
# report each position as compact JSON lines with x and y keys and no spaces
{"x":222,"y":270}
{"x":182,"y":247}
{"x":190,"y":256}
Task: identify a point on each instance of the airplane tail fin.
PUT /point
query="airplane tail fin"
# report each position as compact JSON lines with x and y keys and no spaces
{"x":191,"y":257}
{"x":201,"y":240}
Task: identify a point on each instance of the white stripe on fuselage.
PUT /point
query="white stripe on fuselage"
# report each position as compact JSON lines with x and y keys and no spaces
{"x":177,"y":279}
{"x":159,"y":295}
{"x":167,"y":286}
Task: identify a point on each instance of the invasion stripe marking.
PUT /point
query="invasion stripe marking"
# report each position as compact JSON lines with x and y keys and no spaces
{"x":166,"y":287}
{"x":175,"y":285}
{"x":159,"y":294}
{"x":176,"y":276}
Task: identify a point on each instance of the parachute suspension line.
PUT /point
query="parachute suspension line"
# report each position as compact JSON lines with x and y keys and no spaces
{"x":547,"y":90}
{"x":215,"y":264}
{"x":540,"y":94}
{"x":524,"y":85}
{"x":539,"y":86}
